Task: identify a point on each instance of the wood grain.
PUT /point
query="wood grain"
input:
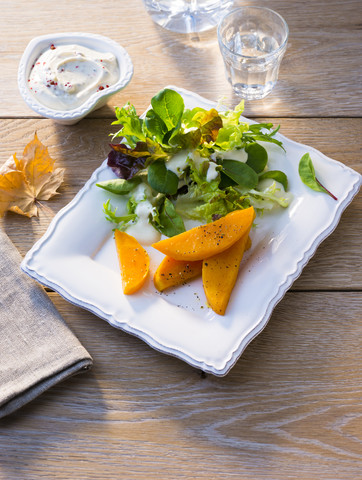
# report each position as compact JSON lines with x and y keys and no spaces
{"x":289,"y":409}
{"x":319,"y":72}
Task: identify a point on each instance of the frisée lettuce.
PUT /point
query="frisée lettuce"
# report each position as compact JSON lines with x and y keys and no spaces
{"x":196,"y":163}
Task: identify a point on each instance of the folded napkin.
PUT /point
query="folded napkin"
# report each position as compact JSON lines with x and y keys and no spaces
{"x":37,"y":349}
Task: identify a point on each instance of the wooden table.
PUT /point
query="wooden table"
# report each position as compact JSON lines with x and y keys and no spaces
{"x":291,"y":408}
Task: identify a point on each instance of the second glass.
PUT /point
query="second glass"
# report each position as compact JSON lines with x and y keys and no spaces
{"x":186,"y":16}
{"x":252,"y":42}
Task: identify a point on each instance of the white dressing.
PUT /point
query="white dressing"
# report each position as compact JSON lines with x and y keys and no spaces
{"x":270,"y":193}
{"x":268,"y":183}
{"x":65,"y":76}
{"x":197,"y":159}
{"x":142,"y":230}
{"x":142,"y":192}
{"x":212,"y":173}
{"x":239,"y":155}
{"x":178,"y":163}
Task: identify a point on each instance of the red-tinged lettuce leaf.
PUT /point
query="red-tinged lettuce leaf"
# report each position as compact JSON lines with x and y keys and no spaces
{"x":187,"y":141}
{"x":125,"y":165}
{"x":210,"y":124}
{"x":156,"y":151}
{"x":140,"y":150}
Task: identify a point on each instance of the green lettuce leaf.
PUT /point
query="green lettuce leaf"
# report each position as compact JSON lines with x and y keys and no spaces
{"x":166,"y":220}
{"x":269,"y":194}
{"x":132,"y":125}
{"x":122,"y":221}
{"x":120,"y":186}
{"x":168,"y":105}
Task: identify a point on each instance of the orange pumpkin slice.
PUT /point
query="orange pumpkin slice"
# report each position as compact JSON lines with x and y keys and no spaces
{"x":219,"y":274}
{"x":171,"y":272}
{"x":207,"y":240}
{"x":133,"y":260}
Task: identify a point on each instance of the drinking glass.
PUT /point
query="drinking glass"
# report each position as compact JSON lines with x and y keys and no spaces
{"x":252,"y":42}
{"x":186,"y":16}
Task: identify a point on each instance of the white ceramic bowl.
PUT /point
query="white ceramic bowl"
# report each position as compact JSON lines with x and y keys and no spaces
{"x":98,"y":99}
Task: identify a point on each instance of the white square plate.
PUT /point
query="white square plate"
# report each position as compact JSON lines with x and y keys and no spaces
{"x":77,"y":258}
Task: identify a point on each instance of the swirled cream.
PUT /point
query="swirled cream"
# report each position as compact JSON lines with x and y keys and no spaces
{"x":65,"y":76}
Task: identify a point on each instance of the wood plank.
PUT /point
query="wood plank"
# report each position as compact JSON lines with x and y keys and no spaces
{"x":327,"y":269}
{"x":320,"y":74}
{"x":337,"y":263}
{"x":292,"y":403}
{"x":291,"y":406}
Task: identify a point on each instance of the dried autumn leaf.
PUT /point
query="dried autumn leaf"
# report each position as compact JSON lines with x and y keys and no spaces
{"x":25,"y":181}
{"x":11,"y":187}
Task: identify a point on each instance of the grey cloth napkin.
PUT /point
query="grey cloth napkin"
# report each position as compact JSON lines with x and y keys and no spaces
{"x":37,"y":349}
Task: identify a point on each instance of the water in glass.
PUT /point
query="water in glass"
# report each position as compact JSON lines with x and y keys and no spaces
{"x":252,"y":46}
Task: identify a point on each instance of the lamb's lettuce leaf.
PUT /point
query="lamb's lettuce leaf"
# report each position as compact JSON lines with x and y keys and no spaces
{"x":120,"y":186}
{"x":161,"y":179}
{"x":166,"y":220}
{"x":240,"y":173}
{"x":257,"y":157}
{"x":168,"y":105}
{"x":275,"y":175}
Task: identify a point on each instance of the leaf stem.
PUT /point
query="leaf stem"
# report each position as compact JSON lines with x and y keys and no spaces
{"x":45,"y":208}
{"x":329,"y":193}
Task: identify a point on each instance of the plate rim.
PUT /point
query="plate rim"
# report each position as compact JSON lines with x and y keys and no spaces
{"x":228,"y":360}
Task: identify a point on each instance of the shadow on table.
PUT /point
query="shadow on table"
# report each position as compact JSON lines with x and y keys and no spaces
{"x":201,"y":53}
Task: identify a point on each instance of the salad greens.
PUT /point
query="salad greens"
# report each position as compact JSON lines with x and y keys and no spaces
{"x":193,"y":163}
{"x":166,"y":220}
{"x":122,"y":220}
{"x":161,"y":179}
{"x":308,"y":176}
